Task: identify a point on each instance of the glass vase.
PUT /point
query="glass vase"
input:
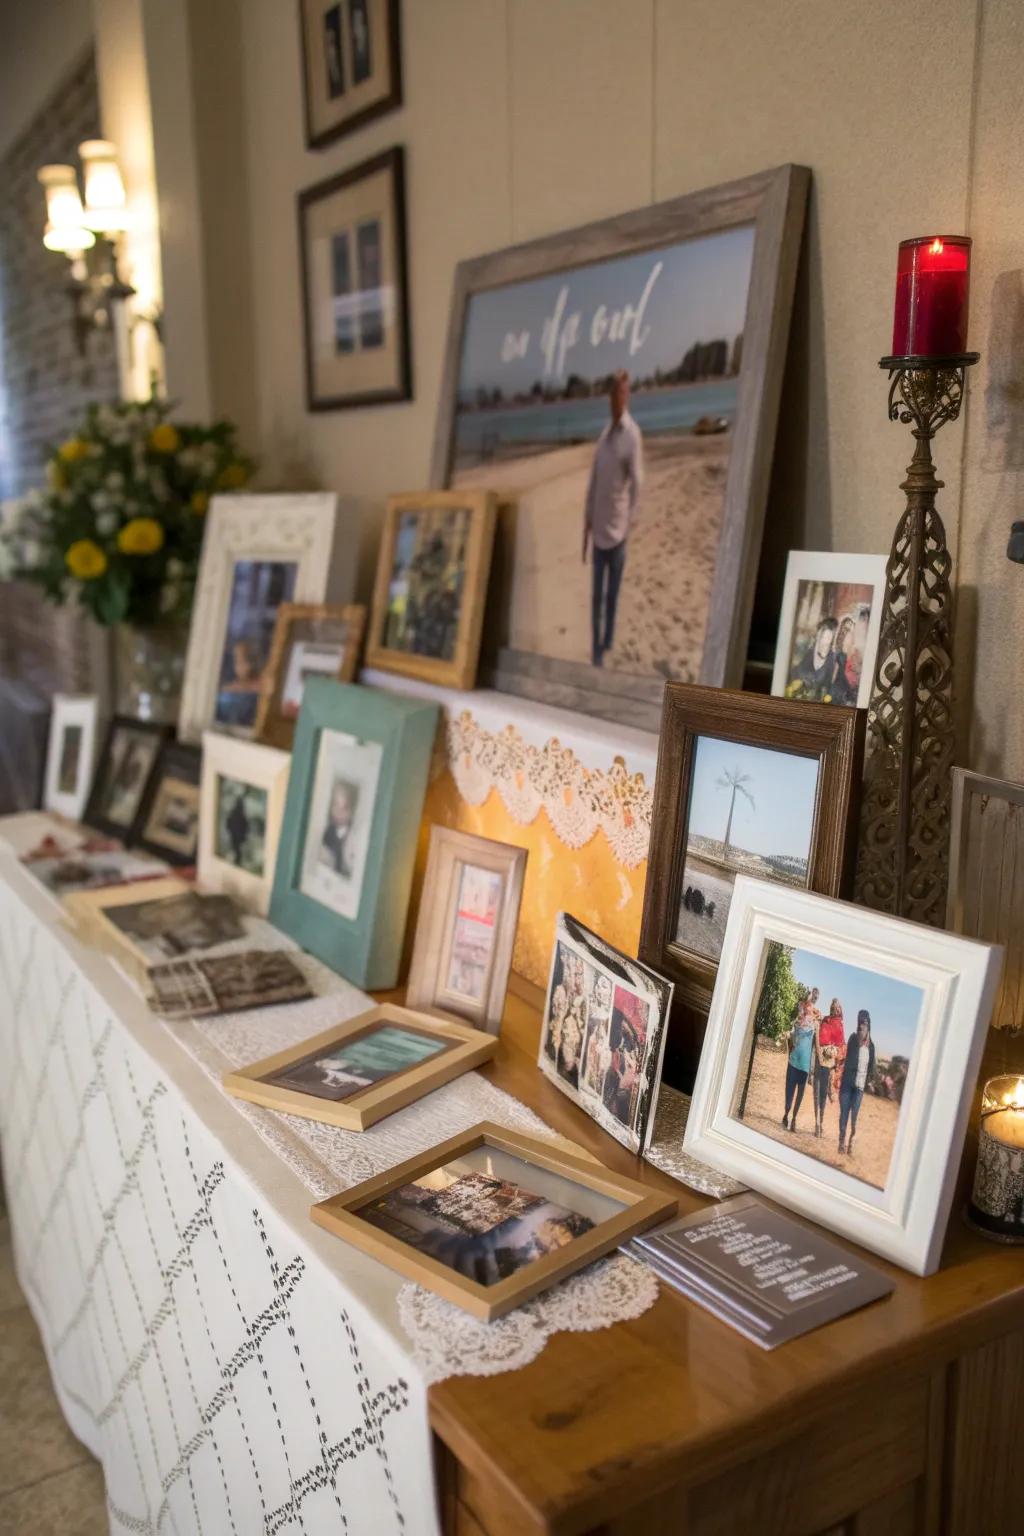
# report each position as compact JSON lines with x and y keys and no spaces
{"x":149,"y":665}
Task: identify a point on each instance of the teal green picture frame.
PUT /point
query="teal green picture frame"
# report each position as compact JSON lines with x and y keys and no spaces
{"x":366,"y":948}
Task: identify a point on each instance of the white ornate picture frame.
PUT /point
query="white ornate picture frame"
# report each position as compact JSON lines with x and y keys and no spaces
{"x":263,"y":770}
{"x":284,"y":528}
{"x":817,"y":577}
{"x":71,"y":760}
{"x":904,"y":1219}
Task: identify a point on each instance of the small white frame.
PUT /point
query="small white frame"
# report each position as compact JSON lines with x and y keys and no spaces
{"x":905,"y":1221}
{"x":265,"y":768}
{"x":80,"y":709}
{"x":824,"y":565}
{"x":285,"y":527}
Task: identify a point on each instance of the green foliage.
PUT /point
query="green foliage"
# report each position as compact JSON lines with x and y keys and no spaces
{"x":780,"y":993}
{"x":119,"y":526}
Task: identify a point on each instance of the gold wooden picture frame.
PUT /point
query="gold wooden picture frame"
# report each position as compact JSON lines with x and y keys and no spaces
{"x":307,"y":1068}
{"x":328,"y":625}
{"x":572,"y":1246}
{"x":87,"y":914}
{"x":431,"y":586}
{"x":469,"y":911}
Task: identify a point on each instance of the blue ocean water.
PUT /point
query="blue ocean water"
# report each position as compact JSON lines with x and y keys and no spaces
{"x":480,"y":434}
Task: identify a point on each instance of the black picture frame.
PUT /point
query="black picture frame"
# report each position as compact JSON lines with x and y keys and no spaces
{"x":176,"y":760}
{"x":388,"y":102}
{"x":125,"y":832}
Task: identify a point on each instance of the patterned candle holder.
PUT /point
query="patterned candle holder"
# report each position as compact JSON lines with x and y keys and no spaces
{"x":997,"y":1201}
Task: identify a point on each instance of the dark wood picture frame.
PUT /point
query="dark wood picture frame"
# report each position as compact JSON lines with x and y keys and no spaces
{"x":773,"y":202}
{"x":128,"y":833}
{"x":833,"y":734}
{"x":391,"y":161}
{"x":386,"y":103}
{"x":178,"y":760}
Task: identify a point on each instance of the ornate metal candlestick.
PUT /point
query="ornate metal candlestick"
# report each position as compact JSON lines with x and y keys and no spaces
{"x":904,"y":835}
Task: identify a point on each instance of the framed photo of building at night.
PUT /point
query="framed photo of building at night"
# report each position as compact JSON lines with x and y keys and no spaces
{"x":354,"y":286}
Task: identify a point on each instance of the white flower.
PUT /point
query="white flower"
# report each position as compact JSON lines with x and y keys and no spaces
{"x":175,"y":567}
{"x":168,"y":597}
{"x":106,"y":523}
{"x":100,"y":501}
{"x":190,"y":458}
{"x":115,"y":480}
{"x":30,"y":553}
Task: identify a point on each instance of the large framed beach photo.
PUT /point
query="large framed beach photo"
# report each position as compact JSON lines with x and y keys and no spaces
{"x":745,"y":785}
{"x":241,"y":807}
{"x":618,"y":387}
{"x":344,"y":871}
{"x":356,"y":1073}
{"x":492,"y":1217}
{"x":351,"y":65}
{"x":258,"y":552}
{"x":880,"y":1025}
{"x":829,"y":626}
{"x":355,"y":298}
{"x":71,"y":753}
{"x":432,"y":570}
{"x":469,"y":909}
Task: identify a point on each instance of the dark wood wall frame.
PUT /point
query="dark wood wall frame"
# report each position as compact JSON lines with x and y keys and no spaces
{"x":774,"y":202}
{"x":831,"y":733}
{"x":358,"y":120}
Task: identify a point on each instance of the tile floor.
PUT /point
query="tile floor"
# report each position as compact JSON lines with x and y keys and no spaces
{"x":49,"y":1484}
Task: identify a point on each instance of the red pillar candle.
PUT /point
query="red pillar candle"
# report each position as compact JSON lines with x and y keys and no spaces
{"x":932,"y":284}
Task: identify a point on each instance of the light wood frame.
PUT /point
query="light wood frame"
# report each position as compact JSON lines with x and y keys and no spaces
{"x":81,"y":709}
{"x":997,"y":915}
{"x":449,"y":852}
{"x":643,"y":1207}
{"x":906,"y":1221}
{"x":87,"y":912}
{"x":465,"y":1048}
{"x":824,"y":565}
{"x":128,"y":833}
{"x":834,"y":734}
{"x":461,"y":671}
{"x":774,"y":202}
{"x":272,"y":727}
{"x":265,"y":768}
{"x":299,"y":528}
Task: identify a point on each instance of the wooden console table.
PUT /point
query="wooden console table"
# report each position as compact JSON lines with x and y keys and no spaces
{"x":907,"y":1417}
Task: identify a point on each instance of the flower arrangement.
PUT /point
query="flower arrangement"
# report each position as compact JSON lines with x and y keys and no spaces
{"x":119,"y":525}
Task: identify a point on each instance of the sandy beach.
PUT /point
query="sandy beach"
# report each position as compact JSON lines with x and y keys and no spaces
{"x":663,"y":605}
{"x":876,"y":1123}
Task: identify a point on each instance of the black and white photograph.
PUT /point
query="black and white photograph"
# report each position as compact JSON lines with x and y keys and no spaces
{"x":241,"y":824}
{"x":123,"y":774}
{"x":340,"y":821}
{"x":169,"y":926}
{"x":194,"y":987}
{"x":351,"y":64}
{"x":354,"y":1064}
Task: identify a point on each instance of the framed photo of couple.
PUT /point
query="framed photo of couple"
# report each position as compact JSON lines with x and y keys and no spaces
{"x":880,"y":1025}
{"x":829,"y":628}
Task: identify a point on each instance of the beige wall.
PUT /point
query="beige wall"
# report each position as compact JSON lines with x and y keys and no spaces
{"x":40,"y":42}
{"x":526,"y":116}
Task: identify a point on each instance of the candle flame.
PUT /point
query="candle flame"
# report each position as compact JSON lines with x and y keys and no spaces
{"x":1015,"y":1100}
{"x":936,"y":247}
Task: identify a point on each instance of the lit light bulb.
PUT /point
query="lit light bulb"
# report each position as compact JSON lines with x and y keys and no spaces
{"x":65,"y":222}
{"x":106,"y":208}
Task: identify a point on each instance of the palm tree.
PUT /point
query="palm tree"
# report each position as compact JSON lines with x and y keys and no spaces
{"x":735,"y":781}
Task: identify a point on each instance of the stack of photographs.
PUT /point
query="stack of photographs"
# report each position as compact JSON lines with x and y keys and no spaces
{"x":255,"y":978}
{"x":170,"y":926}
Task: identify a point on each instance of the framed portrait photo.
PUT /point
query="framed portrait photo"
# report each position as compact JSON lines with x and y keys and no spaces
{"x":745,"y":784}
{"x":310,"y":640}
{"x":355,"y":299}
{"x":492,"y":1217}
{"x":359,"y":774}
{"x":241,"y":806}
{"x":71,"y":754}
{"x":829,"y":626}
{"x":619,"y":384}
{"x":258,"y":552}
{"x":355,"y":1073}
{"x":351,"y":65}
{"x":985,"y":898}
{"x":428,"y":601}
{"x":469,"y":909}
{"x":842,"y":1051}
{"x":169,"y":823}
{"x":126,"y":765}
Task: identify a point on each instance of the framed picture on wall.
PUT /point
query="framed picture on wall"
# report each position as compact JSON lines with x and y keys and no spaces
{"x":258,"y":552}
{"x":241,"y":805}
{"x":310,"y":640}
{"x":71,"y":754}
{"x":620,"y":384}
{"x":351,"y":64}
{"x":355,"y":299}
{"x":828,"y":629}
{"x":428,"y":601}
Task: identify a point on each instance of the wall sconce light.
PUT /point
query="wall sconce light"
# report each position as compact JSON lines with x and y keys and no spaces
{"x":89,"y":235}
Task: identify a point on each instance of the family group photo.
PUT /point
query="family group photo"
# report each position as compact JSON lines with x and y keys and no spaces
{"x":829,"y":641}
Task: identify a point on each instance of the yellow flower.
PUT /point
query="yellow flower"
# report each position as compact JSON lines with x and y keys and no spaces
{"x":199,"y":503}
{"x":164,"y":438}
{"x":75,"y":448}
{"x":141,"y":536}
{"x":85,"y":559}
{"x":232,"y":477}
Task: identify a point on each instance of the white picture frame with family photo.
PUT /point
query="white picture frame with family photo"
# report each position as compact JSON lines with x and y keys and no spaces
{"x":71,"y":754}
{"x":828,"y":627}
{"x":241,"y":807}
{"x":910,"y":1008}
{"x":258,"y":552}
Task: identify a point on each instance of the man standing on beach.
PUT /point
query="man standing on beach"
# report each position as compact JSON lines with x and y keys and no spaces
{"x":612,"y":498}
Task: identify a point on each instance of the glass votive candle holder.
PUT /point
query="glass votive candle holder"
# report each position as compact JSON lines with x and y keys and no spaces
{"x":997,"y":1200}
